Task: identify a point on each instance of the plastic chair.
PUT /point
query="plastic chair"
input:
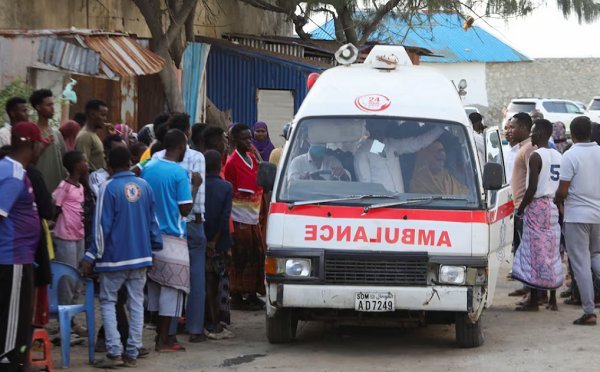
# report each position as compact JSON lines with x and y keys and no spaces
{"x":46,"y":362}
{"x":64,"y":313}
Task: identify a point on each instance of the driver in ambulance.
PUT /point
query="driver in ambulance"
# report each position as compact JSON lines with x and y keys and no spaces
{"x":329,"y":168}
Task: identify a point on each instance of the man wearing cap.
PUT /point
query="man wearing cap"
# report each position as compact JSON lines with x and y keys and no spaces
{"x":19,"y":236}
{"x":276,"y":154}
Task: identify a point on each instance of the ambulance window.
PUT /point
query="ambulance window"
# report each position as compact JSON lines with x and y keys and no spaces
{"x":399,"y":158}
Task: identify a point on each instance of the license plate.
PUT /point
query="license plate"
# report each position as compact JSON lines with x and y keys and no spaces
{"x":374,"y":301}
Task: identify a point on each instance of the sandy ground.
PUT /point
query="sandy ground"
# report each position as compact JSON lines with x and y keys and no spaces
{"x":544,"y":341}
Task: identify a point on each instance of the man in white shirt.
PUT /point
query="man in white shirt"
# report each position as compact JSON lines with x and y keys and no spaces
{"x":578,"y":187}
{"x":383,"y":166}
{"x":511,"y":153}
{"x":315,"y":160}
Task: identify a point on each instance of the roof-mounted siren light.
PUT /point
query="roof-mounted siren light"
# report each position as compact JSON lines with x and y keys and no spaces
{"x":347,"y":54}
{"x":311,"y":80}
{"x":388,"y":57}
{"x":462,"y":88}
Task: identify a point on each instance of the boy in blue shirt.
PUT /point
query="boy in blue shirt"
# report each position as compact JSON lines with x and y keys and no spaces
{"x":125,"y":236}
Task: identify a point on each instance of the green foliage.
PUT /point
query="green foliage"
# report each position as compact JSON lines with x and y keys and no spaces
{"x":18,"y":88}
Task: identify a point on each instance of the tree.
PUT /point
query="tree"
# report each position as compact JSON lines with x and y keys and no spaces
{"x":162,"y":40}
{"x":356,"y":21}
{"x":169,"y":42}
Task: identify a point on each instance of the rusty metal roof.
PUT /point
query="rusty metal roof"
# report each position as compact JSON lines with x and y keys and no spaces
{"x":124,"y":56}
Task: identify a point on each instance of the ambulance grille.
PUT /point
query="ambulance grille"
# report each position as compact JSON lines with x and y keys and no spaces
{"x":376,"y":268}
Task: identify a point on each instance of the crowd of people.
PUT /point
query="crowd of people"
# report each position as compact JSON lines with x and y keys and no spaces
{"x":557,"y":210}
{"x":185,"y":203}
{"x":182,"y":199}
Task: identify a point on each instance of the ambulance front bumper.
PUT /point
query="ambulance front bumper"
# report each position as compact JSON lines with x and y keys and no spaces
{"x":433,"y":298}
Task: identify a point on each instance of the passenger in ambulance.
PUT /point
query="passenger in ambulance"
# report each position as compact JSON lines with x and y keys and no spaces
{"x":378,"y":158}
{"x":431,"y":176}
{"x":317,"y":165}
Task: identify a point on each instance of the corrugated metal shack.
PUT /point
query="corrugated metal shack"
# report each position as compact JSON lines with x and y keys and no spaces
{"x":106,"y":65}
{"x":256,"y":85}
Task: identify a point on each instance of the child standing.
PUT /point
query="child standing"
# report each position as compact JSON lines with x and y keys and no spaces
{"x":69,"y":234}
{"x":537,"y":262}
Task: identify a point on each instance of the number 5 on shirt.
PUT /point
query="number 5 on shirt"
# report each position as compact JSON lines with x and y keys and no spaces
{"x":554,"y":173}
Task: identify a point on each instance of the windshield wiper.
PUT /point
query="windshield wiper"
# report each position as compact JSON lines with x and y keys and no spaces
{"x":412,"y":201}
{"x":345,"y":198}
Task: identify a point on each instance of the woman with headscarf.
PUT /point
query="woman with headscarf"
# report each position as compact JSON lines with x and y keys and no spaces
{"x":559,"y":135}
{"x":431,"y":177}
{"x":261,"y":140}
{"x":69,"y":130}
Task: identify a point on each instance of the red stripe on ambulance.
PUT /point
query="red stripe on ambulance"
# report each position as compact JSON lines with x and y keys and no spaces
{"x":384,"y":214}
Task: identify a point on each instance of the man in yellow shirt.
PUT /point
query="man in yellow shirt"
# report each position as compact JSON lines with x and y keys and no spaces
{"x":276,"y":154}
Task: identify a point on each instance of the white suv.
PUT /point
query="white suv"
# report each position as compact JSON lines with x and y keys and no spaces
{"x":594,"y":109}
{"x":553,"y":109}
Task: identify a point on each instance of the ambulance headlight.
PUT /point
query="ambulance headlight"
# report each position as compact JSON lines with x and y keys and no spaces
{"x":452,"y":274}
{"x":297,"y":267}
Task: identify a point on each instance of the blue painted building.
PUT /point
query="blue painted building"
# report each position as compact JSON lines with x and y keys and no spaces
{"x":256,"y":85}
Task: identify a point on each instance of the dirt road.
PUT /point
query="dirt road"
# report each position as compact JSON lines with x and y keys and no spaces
{"x":544,"y":341}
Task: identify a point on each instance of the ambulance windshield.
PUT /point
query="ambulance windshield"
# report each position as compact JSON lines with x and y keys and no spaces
{"x":334,"y":158}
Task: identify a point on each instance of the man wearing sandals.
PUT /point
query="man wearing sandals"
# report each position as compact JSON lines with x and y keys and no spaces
{"x":126,"y":234}
{"x":579,"y":189}
{"x":175,"y":198}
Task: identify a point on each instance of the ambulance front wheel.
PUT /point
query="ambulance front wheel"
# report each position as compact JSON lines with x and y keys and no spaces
{"x":281,"y":328}
{"x":468,"y":334}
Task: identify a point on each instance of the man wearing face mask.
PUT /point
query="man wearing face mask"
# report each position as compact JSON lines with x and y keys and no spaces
{"x":304,"y":165}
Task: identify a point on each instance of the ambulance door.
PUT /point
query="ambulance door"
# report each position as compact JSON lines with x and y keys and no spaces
{"x":500,"y":215}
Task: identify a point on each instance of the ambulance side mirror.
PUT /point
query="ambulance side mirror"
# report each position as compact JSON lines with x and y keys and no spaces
{"x":493,"y":176}
{"x":266,"y":176}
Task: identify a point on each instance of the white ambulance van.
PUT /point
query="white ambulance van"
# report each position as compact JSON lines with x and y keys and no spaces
{"x":382,"y":212}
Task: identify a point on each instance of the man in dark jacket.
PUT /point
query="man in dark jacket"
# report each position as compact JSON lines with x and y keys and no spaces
{"x":216,"y":228}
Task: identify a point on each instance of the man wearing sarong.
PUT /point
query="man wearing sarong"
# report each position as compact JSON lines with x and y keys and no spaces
{"x":579,"y":182}
{"x":537,"y":261}
{"x":520,"y":129}
{"x":247,"y":253}
{"x":170,"y":277}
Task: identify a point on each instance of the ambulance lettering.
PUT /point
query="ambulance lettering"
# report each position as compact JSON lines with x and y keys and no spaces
{"x":389,"y":235}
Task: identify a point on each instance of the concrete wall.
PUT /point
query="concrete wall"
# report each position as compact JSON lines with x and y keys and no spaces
{"x":123,"y":15}
{"x":473,"y":73}
{"x":491,"y":86}
{"x":576,"y":79}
